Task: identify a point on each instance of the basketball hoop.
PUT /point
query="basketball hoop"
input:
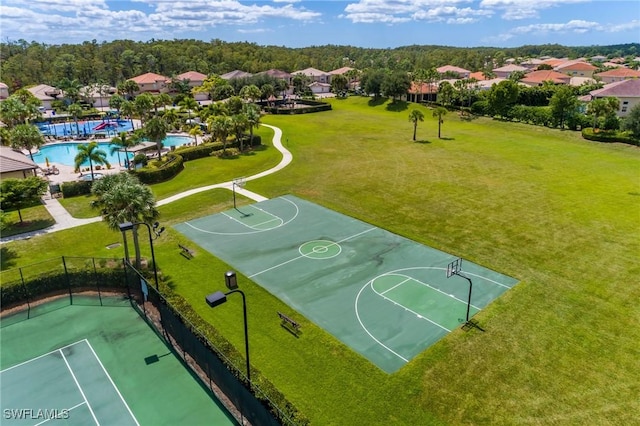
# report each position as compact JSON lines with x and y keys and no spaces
{"x":455,"y":268}
{"x":237,"y":182}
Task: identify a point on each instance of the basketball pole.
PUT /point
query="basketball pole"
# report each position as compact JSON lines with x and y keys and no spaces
{"x":234,"y":194}
{"x":455,"y":268}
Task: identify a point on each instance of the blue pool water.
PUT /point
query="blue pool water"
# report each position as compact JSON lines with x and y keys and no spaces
{"x":64,"y":153}
{"x":85,"y":128}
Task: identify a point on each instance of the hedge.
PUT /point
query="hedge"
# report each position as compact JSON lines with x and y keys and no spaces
{"x":166,"y":171}
{"x":72,"y":189}
{"x":609,"y":136}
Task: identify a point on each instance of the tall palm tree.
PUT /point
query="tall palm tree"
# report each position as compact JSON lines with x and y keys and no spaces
{"x":239,"y":125}
{"x":124,"y":141}
{"x":156,"y":130}
{"x":26,"y":136}
{"x":439,"y":112}
{"x":252,"y":112}
{"x":90,"y":152}
{"x":143,"y":104}
{"x":128,"y":108}
{"x":76,"y":111}
{"x":414,"y":117}
{"x":122,"y":198}
{"x":188,"y":104}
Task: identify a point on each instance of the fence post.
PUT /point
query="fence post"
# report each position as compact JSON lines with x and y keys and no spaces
{"x":66,"y":274}
{"x":26,"y":293}
{"x":95,"y":277}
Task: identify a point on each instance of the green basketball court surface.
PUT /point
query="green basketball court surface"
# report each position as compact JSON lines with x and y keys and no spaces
{"x":91,"y":365}
{"x":383,"y":295}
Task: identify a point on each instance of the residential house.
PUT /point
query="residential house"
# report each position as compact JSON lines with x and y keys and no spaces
{"x":423,"y":92}
{"x":314,"y":74}
{"x":613,"y":65}
{"x":579,"y":81}
{"x":194,"y":78}
{"x":236,"y":74}
{"x":488,"y":84}
{"x":451,"y":70}
{"x":152,"y":83}
{"x":353,"y":82}
{"x":45,"y":94}
{"x":4,"y":91}
{"x":341,"y":71}
{"x":478,"y":75}
{"x":554,"y":62}
{"x":320,"y":88}
{"x":14,"y":164}
{"x":98,"y":95}
{"x":537,"y":78}
{"x":598,"y":58}
{"x":278,"y":74}
{"x":576,"y":69}
{"x":618,"y":74}
{"x":532,"y":64}
{"x":627,"y":92}
{"x":507,"y":70}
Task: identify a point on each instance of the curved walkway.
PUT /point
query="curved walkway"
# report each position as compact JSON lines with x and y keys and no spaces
{"x":65,"y":221}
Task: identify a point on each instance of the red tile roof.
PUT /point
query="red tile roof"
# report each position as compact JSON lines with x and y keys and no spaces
{"x":620,"y":89}
{"x":576,"y":66}
{"x":149,"y":78}
{"x":538,"y":77}
{"x":620,"y":72}
{"x":192,"y":76}
{"x":423,"y":88}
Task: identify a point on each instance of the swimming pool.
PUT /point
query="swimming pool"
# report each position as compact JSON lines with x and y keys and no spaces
{"x":64,"y":153}
{"x":85,"y":128}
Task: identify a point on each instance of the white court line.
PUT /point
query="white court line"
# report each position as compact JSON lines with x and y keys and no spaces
{"x":41,"y":356}
{"x":68,"y":409}
{"x":411,"y":310}
{"x":436,"y":289}
{"x":64,"y":358}
{"x":301,"y":256}
{"x":112,"y":383}
{"x":397,"y":285}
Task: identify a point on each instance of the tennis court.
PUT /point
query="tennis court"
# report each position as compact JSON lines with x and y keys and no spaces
{"x":93,"y":365}
{"x":383,"y":295}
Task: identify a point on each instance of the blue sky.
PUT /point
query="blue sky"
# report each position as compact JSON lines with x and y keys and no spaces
{"x":300,"y":23}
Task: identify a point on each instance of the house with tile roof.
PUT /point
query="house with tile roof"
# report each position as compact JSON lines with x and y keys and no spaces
{"x":195,"y":78}
{"x":453,"y":70}
{"x":45,"y":94}
{"x":618,"y":74}
{"x":152,"y":83}
{"x":342,"y":70}
{"x":627,"y":92}
{"x":537,"y":78}
{"x":314,"y":74}
{"x":532,"y":63}
{"x":576,"y":68}
{"x":422,"y":92}
{"x":98,"y":95}
{"x":507,"y":70}
{"x":15,"y":165}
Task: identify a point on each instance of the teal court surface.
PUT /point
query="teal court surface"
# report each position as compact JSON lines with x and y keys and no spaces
{"x":383,"y":295}
{"x":96,"y":365}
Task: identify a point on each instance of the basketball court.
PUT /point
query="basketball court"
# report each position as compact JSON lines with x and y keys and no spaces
{"x":383,"y":295}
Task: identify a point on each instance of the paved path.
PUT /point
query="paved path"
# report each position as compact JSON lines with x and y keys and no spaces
{"x":65,"y":221}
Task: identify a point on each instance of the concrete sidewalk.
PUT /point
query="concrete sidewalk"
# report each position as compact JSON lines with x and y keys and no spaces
{"x":65,"y":221}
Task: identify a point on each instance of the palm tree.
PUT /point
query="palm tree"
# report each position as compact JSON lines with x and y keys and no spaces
{"x":220,"y":127}
{"x":156,"y":130}
{"x":26,"y":136}
{"x":239,"y":125}
{"x":128,"y":88}
{"x":143,"y":104}
{"x":90,"y":152}
{"x":76,"y":111}
{"x":252,"y":112}
{"x":439,"y":112}
{"x":414,"y":117}
{"x":161,"y":101}
{"x":124,"y":141}
{"x":195,"y":131}
{"x":122,"y":198}
{"x":250,"y":93}
{"x":128,"y":108}
{"x":171,"y":117}
{"x":188,"y":104}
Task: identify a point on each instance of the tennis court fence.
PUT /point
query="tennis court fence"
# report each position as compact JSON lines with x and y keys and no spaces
{"x":114,"y":282}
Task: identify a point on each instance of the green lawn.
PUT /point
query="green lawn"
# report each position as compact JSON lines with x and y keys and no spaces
{"x":557,"y":212}
{"x":33,"y":218}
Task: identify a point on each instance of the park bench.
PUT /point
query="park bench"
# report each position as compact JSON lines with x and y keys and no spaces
{"x":186,"y":252}
{"x":289,"y":324}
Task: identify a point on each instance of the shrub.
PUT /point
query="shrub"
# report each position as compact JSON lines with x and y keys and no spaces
{"x":608,"y":136}
{"x":161,"y":171}
{"x":72,"y":189}
{"x":230,"y":152}
{"x":480,"y":107}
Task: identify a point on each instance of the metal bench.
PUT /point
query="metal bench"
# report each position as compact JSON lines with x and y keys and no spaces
{"x":289,"y":324}
{"x":186,"y":252}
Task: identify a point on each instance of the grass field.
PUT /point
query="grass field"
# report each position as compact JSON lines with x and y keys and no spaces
{"x":544,"y":206}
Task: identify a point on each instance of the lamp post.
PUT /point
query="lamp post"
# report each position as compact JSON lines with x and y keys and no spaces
{"x":218,"y":298}
{"x":126,"y":226}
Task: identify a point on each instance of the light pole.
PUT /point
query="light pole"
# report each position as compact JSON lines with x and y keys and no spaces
{"x":126,"y":226}
{"x":218,"y":298}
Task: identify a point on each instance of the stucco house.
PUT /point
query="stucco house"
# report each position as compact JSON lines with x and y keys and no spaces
{"x":236,"y":74}
{"x":422,"y":92}
{"x":98,"y":95}
{"x":452,"y":70}
{"x":618,"y":74}
{"x":195,"y":78}
{"x":537,"y":78}
{"x":627,"y":92}
{"x":507,"y":70}
{"x":14,"y":164}
{"x":45,"y":94}
{"x":152,"y":83}
{"x":319,"y":88}
{"x":576,"y":69}
{"x":314,"y":74}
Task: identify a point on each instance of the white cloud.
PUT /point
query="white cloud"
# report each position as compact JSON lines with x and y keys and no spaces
{"x":395,"y":11}
{"x":578,"y":26}
{"x":524,"y":9}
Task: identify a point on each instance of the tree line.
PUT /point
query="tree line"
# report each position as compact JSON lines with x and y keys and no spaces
{"x":24,"y":64}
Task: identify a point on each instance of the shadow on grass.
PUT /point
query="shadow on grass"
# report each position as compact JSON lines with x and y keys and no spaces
{"x":27,"y":226}
{"x":447,"y":139}
{"x":376,"y":101}
{"x":424,"y":141}
{"x":7,"y":258}
{"x":398,"y":106}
